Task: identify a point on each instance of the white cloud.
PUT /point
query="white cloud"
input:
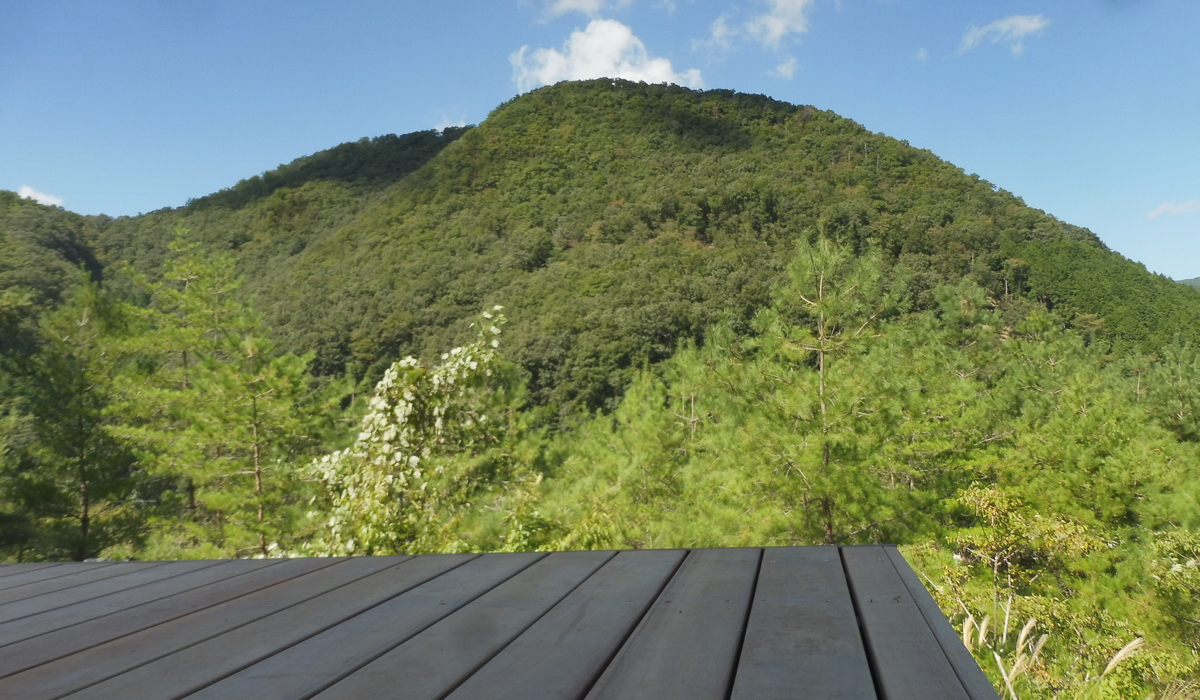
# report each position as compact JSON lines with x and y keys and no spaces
{"x":786,"y":69}
{"x":922,"y":54}
{"x":448,"y":121}
{"x":720,"y":36}
{"x":783,"y":18}
{"x":605,"y":49}
{"x":1011,"y":30}
{"x":1171,"y":208}
{"x":558,"y":8}
{"x":27,"y":192}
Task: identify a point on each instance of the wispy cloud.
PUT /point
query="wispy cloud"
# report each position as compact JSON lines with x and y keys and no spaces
{"x":605,"y":49}
{"x":448,"y":121}
{"x":27,"y":192}
{"x":921,"y":54}
{"x":591,"y":8}
{"x":720,"y":37}
{"x":1173,"y":209}
{"x":786,"y":69}
{"x":1010,"y":30}
{"x":783,"y":17}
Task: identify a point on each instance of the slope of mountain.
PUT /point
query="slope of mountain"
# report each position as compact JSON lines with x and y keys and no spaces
{"x":616,"y":219}
{"x":759,"y":324}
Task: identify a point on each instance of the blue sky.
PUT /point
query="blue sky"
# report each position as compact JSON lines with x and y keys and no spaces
{"x":1087,"y":109}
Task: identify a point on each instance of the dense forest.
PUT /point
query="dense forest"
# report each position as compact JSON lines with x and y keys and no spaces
{"x":626,"y":315}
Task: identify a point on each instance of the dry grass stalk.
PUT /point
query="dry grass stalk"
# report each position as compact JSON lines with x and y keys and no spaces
{"x":1124,"y":653}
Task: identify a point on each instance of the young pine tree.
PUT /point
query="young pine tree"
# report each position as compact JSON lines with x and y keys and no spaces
{"x":218,"y":415}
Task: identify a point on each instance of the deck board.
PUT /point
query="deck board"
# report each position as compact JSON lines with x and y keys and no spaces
{"x":238,"y":577}
{"x":12,"y":615}
{"x":909,"y":663}
{"x":175,"y":578}
{"x":434,"y":662}
{"x":322,"y":660}
{"x":974,"y":682}
{"x":686,"y":646}
{"x":17,"y":574}
{"x":560,"y":656}
{"x":802,"y":640}
{"x":205,"y":663}
{"x":59,"y":583}
{"x":96,"y":664}
{"x":747,"y":624}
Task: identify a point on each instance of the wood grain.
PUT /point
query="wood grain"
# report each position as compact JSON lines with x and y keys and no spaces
{"x":686,"y":646}
{"x":969,"y":674}
{"x":434,"y":662}
{"x":802,"y":640}
{"x":13,"y":615}
{"x":908,"y":662}
{"x":90,"y":666}
{"x":238,"y":578}
{"x":561,"y":655}
{"x":203,"y":664}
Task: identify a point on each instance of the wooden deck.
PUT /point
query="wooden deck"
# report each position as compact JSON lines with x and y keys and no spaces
{"x":788,"y":622}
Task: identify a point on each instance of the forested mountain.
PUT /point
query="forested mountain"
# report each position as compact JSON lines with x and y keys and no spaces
{"x":615,"y":219}
{"x":1194,"y":282}
{"x":630,"y":316}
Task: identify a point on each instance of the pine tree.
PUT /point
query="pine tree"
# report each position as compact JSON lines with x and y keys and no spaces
{"x":75,"y":482}
{"x":216,"y":413}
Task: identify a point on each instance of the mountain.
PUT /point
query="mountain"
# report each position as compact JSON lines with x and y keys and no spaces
{"x":614,"y":220}
{"x":730,"y":321}
{"x":1194,"y":282}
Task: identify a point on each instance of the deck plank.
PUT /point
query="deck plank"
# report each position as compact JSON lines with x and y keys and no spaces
{"x":472,"y":608}
{"x":198,"y":666}
{"x":48,"y":573}
{"x":201,"y":589}
{"x":175,"y":577}
{"x":78,"y":578}
{"x":560,"y":656}
{"x":11,"y":614}
{"x":98,"y":663}
{"x":7,"y":570}
{"x":687,"y":644}
{"x":969,"y":674}
{"x":802,"y":640}
{"x":908,"y":661}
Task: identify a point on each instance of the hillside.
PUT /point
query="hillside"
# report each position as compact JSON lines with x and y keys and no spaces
{"x":614,"y":220}
{"x":638,"y":316}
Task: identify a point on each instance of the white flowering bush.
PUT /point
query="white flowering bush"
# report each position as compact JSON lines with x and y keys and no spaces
{"x":396,"y":488}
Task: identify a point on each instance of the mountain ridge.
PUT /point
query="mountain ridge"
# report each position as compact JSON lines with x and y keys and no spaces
{"x":616,"y":220}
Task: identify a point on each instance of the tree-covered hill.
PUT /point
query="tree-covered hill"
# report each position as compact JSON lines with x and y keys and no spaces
{"x":726,"y":320}
{"x":615,"y":219}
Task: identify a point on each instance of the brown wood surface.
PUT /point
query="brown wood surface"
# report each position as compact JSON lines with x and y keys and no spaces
{"x":240,"y":577}
{"x":907,"y":661}
{"x":176,"y":577}
{"x":12,"y":614}
{"x":15,"y":574}
{"x":322,"y":660}
{"x":561,"y":655}
{"x":968,"y":672}
{"x":686,"y":646}
{"x":802,"y":640}
{"x":786,"y":622}
{"x":93,"y":665}
{"x":434,"y":662}
{"x":198,"y":666}
{"x":58,"y":583}
{"x":10,"y":569}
